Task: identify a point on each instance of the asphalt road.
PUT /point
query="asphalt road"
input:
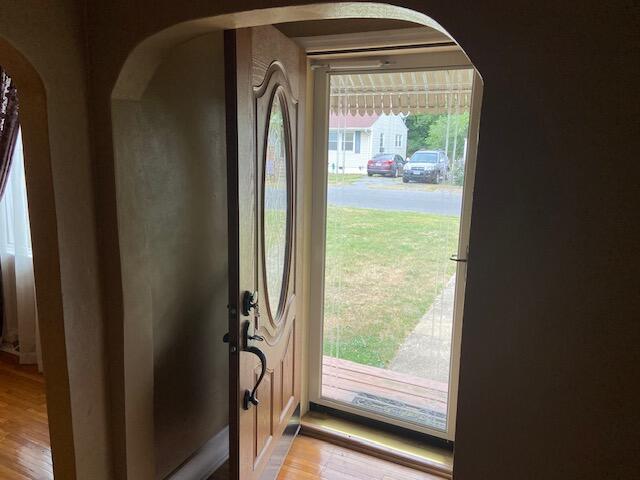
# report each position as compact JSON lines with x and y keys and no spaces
{"x":364,"y":194}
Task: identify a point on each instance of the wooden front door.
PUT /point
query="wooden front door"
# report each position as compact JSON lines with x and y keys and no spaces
{"x":265,"y":85}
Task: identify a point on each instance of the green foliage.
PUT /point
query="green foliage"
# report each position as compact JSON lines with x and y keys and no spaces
{"x":456,"y":174}
{"x":428,"y":131}
{"x":458,"y":130}
{"x":419,"y":126}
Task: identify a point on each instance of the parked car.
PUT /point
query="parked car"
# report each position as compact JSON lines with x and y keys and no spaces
{"x":426,"y":166}
{"x":387,"y":164}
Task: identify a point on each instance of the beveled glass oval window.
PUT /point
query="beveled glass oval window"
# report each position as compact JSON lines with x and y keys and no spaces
{"x":276,"y":205}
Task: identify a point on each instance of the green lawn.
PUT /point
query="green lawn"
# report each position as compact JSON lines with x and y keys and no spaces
{"x":343,"y":178}
{"x":383,"y":271}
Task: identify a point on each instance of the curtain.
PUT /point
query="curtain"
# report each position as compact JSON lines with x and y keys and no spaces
{"x":8,"y":134}
{"x":16,"y":258}
{"x":19,"y":326}
{"x":8,"y":126}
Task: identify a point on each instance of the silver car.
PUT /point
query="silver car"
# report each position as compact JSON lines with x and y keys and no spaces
{"x":426,"y":166}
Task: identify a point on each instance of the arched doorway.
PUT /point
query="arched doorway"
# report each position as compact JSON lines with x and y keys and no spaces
{"x":46,"y":262}
{"x":140,"y":75}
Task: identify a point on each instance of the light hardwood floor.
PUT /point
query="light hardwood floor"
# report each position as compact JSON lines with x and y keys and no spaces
{"x":25,"y":453}
{"x":312,"y":459}
{"x":24,"y":434}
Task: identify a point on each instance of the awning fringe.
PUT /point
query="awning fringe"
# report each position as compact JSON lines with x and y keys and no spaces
{"x":432,"y":91}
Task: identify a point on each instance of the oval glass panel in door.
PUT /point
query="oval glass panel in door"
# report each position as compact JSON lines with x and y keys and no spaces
{"x":276,"y":206}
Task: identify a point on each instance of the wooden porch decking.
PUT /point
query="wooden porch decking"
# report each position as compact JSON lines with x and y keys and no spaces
{"x":343,"y":380}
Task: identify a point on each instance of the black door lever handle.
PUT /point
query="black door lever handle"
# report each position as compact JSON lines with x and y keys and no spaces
{"x":250,"y":395}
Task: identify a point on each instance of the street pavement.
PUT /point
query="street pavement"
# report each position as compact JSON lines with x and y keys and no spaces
{"x":370,"y":192}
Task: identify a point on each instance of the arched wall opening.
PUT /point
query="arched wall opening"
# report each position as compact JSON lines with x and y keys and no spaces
{"x":46,"y":261}
{"x":165,"y":118}
{"x":145,"y":58}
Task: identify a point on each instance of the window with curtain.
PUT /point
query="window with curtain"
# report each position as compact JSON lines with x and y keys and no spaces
{"x":20,"y":329}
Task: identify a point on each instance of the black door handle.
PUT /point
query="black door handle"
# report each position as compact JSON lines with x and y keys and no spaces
{"x":249,"y":301}
{"x":250,"y":395}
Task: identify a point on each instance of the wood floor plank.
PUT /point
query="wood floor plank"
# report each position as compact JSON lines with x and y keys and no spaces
{"x":25,"y":451}
{"x":313,"y":459}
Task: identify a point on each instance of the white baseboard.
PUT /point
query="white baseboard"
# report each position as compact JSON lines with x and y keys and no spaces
{"x":206,"y":460}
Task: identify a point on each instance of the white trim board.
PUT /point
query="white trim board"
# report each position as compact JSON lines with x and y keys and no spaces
{"x":205,"y":461}
{"x":381,"y":39}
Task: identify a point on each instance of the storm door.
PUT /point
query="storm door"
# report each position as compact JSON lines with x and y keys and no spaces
{"x":393,"y":179}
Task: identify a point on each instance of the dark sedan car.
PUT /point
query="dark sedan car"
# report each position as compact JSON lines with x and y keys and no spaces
{"x":387,"y":164}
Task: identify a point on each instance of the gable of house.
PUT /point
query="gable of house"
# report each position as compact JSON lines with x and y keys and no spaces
{"x":389,"y":135}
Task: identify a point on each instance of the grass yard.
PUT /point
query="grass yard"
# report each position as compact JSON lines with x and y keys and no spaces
{"x":344,"y":178}
{"x":383,"y":271}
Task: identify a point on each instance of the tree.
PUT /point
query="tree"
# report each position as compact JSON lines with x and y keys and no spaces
{"x":418,"y":131}
{"x":440,"y":132}
{"x":457,"y":126}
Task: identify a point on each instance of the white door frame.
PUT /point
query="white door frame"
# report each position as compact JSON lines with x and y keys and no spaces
{"x":322,"y":70}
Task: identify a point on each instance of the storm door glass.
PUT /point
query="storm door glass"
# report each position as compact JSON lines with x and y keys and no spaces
{"x":393,"y":218}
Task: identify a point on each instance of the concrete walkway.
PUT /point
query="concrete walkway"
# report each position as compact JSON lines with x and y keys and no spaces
{"x":426,"y":352}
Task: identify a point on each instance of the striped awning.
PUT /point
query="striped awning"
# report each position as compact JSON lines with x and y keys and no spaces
{"x":431,"y":91}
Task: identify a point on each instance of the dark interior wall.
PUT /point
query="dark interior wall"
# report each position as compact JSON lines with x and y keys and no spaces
{"x":551,"y":330}
{"x":172,"y":198}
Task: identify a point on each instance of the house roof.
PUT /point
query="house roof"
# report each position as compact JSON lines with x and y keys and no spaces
{"x":352,"y":121}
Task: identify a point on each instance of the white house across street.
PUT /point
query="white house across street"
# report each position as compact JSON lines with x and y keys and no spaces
{"x":356,"y":139}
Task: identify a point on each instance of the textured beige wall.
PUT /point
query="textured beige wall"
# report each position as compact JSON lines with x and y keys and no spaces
{"x":171,"y":183}
{"x":49,"y":36}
